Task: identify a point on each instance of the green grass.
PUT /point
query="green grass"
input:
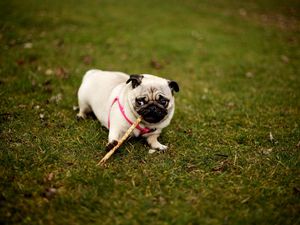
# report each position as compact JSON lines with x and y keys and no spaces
{"x":237,"y":64}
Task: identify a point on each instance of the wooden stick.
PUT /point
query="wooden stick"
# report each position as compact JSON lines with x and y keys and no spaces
{"x":120,"y":142}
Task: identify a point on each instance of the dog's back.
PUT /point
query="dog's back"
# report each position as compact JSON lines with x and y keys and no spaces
{"x":95,"y":89}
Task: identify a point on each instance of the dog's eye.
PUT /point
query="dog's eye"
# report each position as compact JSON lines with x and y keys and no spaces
{"x":163,"y":101}
{"x":140,"y":101}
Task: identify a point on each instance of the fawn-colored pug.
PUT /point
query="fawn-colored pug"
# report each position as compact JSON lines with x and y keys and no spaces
{"x":118,"y":99}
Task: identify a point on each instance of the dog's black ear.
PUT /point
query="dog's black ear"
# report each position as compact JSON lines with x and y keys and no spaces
{"x":174,"y":86}
{"x":135,"y":80}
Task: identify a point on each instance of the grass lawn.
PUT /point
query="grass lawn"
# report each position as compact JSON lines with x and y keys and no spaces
{"x":234,"y":141}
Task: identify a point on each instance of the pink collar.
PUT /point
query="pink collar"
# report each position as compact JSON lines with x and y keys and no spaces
{"x":143,"y":130}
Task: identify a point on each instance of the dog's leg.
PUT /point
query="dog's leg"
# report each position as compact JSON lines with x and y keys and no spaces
{"x":113,"y":136}
{"x":154,"y":143}
{"x":84,"y":108}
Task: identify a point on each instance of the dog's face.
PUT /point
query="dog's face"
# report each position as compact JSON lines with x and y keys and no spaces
{"x":151,"y":96}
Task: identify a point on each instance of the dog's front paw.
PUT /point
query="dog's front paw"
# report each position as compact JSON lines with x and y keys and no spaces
{"x":159,"y":146}
{"x":163,"y":147}
{"x":111,"y":145}
{"x":154,"y":143}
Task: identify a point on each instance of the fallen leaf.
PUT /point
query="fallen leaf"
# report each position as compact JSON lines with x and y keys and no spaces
{"x":87,"y":60}
{"x":271,"y":137}
{"x":56,"y":98}
{"x":188,"y":132}
{"x":195,"y":34}
{"x":221,"y":167}
{"x":284,"y":58}
{"x":37,"y":107}
{"x":47,"y":86}
{"x":42,"y":116}
{"x":28,"y":45}
{"x":230,"y":105}
{"x":20,"y":62}
{"x":32,"y":58}
{"x":151,"y":151}
{"x":296,"y":190}
{"x":33,"y":83}
{"x":59,"y":43}
{"x":49,"y":72}
{"x":191,"y":167}
{"x":22,"y":106}
{"x":155,"y":64}
{"x":243,"y":12}
{"x":61,"y":73}
{"x":12,"y":43}
{"x":50,"y":193}
{"x":162,"y":200}
{"x":50,"y":176}
{"x":267,"y":151}
{"x":245,"y":200}
{"x":249,"y":74}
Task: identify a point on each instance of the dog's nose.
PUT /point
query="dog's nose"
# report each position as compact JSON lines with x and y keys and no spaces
{"x":153,"y":108}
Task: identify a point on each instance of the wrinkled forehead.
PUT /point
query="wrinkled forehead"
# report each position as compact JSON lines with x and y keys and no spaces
{"x":155,"y":87}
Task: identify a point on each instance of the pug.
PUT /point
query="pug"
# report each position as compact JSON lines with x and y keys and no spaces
{"x":118,"y":99}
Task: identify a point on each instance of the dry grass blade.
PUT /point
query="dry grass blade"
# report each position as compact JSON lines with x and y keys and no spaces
{"x":120,"y":142}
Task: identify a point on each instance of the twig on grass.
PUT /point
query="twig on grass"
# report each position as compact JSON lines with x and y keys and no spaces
{"x":120,"y":142}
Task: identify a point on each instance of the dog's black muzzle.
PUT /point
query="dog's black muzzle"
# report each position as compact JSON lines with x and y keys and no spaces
{"x":152,"y":113}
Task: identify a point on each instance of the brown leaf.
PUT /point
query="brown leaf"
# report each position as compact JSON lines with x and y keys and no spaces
{"x":222,"y":166}
{"x":61,"y":73}
{"x":87,"y":59}
{"x":49,"y":193}
{"x":20,"y":62}
{"x":56,"y":98}
{"x":155,"y":64}
{"x":59,"y":43}
{"x":296,"y":190}
{"x":243,"y":12}
{"x":249,"y":74}
{"x":284,"y":58}
{"x":47,"y":86}
{"x":22,"y":106}
{"x":32,"y":58}
{"x":49,"y":177}
{"x":230,"y":105}
{"x":267,"y":151}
